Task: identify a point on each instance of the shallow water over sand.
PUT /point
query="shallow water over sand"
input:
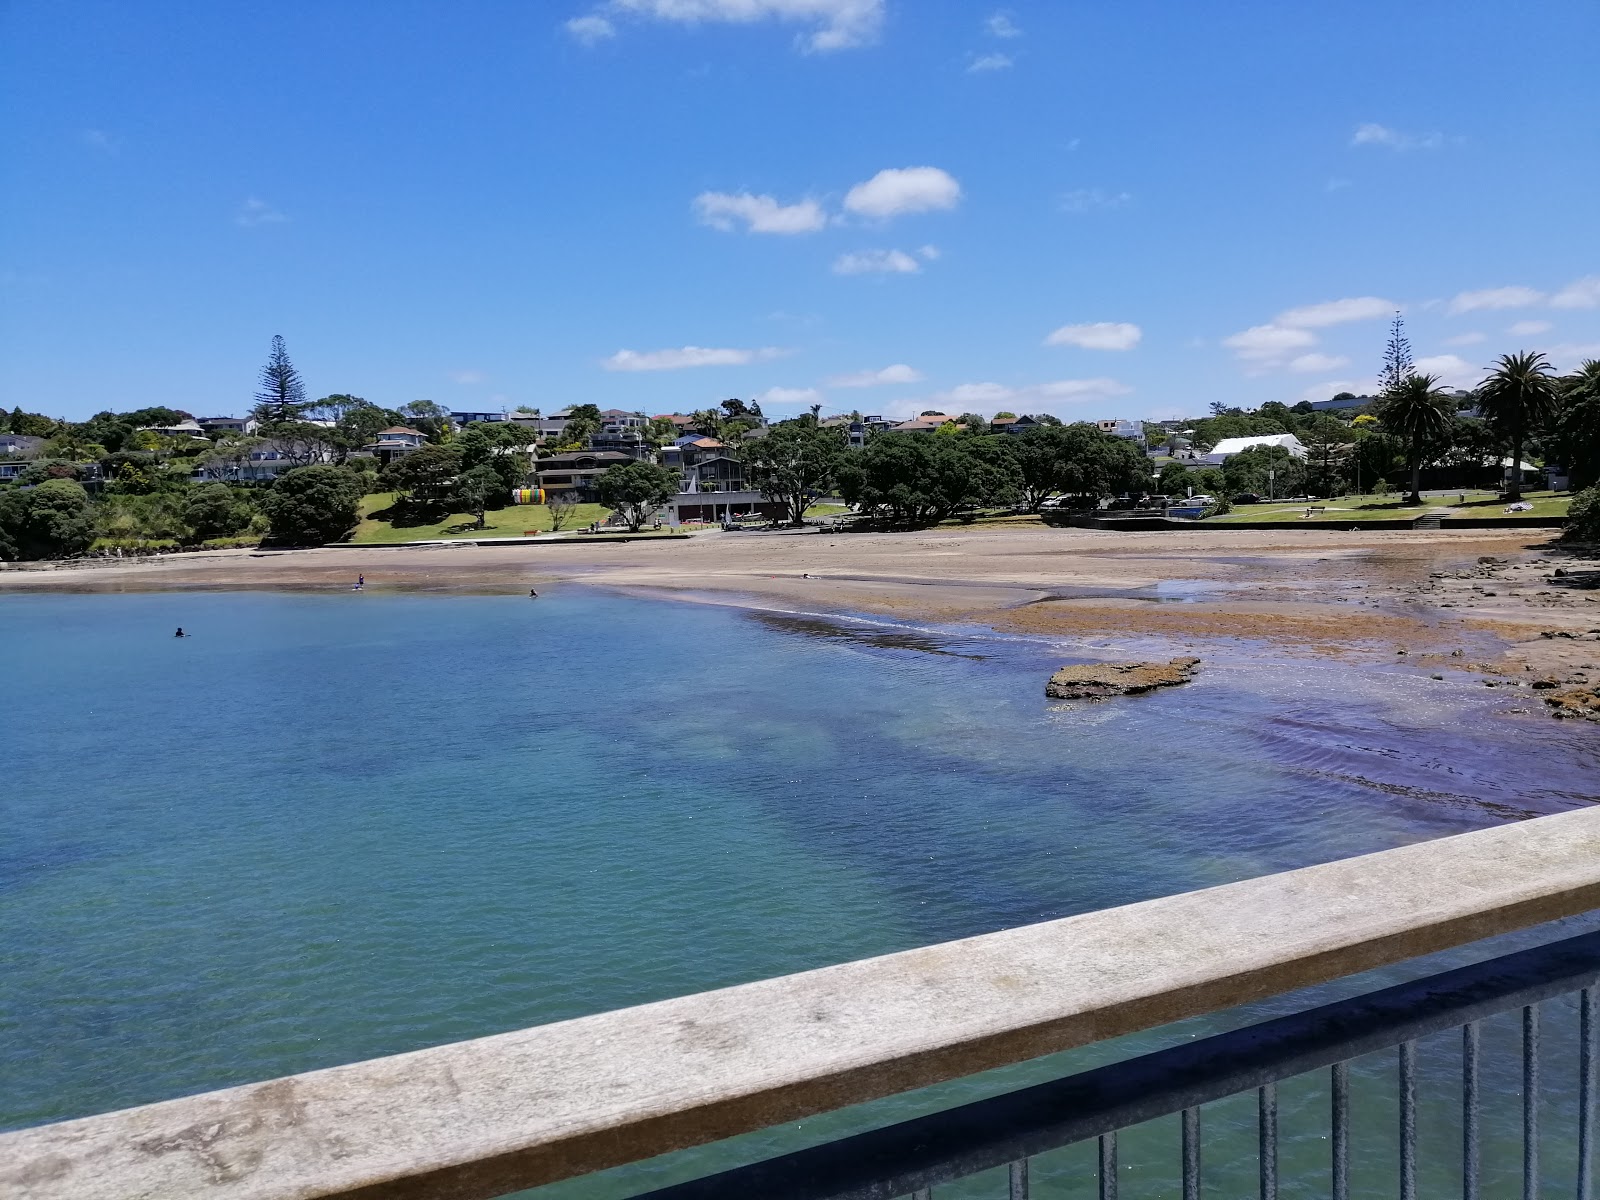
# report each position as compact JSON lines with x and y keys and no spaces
{"x":331,"y":826}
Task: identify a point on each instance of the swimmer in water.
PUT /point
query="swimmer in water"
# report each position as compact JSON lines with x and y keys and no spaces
{"x":180,"y":632}
{"x":532,"y":595}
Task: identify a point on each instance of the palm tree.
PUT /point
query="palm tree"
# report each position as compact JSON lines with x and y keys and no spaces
{"x":1419,"y":414}
{"x":1518,"y":397}
{"x":1578,"y":427}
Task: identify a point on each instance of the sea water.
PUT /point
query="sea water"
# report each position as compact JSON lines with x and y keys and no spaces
{"x":329,"y":826}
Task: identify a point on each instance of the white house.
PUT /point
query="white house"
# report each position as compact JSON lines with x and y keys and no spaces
{"x":1229,"y":446}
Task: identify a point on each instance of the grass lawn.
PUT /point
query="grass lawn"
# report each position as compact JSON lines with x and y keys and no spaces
{"x":1388,"y":508}
{"x":506,"y":522}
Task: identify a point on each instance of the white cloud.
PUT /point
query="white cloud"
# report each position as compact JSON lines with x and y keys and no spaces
{"x":1307,"y":363}
{"x":783,"y":395}
{"x":1528,"y":328}
{"x":837,"y":24}
{"x":1001,"y":25}
{"x":898,"y":373}
{"x":1269,"y":345}
{"x":591,"y":29}
{"x":1580,"y":293}
{"x":1452,"y":370}
{"x":468,"y":377}
{"x":1082,"y":200}
{"x":1464,"y":339}
{"x":1336,"y":312}
{"x":1373,"y":134}
{"x":760,"y":214}
{"x":686,"y":356}
{"x":1058,"y":391}
{"x":898,"y":190}
{"x":990,"y":62}
{"x":876,"y":262}
{"x":255,"y":212}
{"x":1505,"y":297}
{"x":1099,"y":335}
{"x":929,"y":252}
{"x":1568,"y":355}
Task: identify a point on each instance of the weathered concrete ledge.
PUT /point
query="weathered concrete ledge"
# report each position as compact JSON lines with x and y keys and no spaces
{"x":490,"y":1116}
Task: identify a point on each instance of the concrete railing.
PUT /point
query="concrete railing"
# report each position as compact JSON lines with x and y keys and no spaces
{"x":497,"y":1114}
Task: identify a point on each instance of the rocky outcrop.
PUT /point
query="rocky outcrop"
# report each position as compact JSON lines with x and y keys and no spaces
{"x":1098,"y":681}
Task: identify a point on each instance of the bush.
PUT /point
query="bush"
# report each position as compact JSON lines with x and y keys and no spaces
{"x":310,"y":506}
{"x":1583,"y":517}
{"x":53,"y":520}
{"x":213,"y":511}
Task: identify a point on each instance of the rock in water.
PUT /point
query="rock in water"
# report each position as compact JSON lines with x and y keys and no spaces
{"x":1096,"y":681}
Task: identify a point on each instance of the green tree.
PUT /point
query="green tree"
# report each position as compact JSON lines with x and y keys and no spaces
{"x":356,"y":422}
{"x":31,"y":424}
{"x":504,"y":448}
{"x":583,"y":422}
{"x":1418,"y":415}
{"x":429,"y":419}
{"x":636,"y":490}
{"x":53,"y":520}
{"x":1397,"y":366}
{"x":424,"y":483}
{"x":794,"y":462}
{"x":213,"y":510}
{"x":1577,"y":427}
{"x":1265,"y":470}
{"x":921,"y":479}
{"x":476,"y":490}
{"x":281,"y":395}
{"x":1583,"y":517}
{"x":311,"y":506}
{"x":1518,"y":398}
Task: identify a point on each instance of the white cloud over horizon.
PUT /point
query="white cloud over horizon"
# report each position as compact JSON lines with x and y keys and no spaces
{"x":990,"y":397}
{"x":687,"y":356}
{"x":1528,"y":328}
{"x":1465,"y":339}
{"x":1336,"y":312}
{"x":1306,"y":363}
{"x":1269,"y":344}
{"x":990,"y":62}
{"x":1580,"y":293}
{"x":1373,"y":134}
{"x":876,"y":262}
{"x":836,"y":24}
{"x":760,"y":214}
{"x":1082,"y":200}
{"x":1568,"y":356}
{"x":1001,"y":25}
{"x":254,"y":212}
{"x":1097,"y":335}
{"x":1452,"y":370}
{"x":1494,"y":298}
{"x":895,"y":191}
{"x":786,"y":395}
{"x":896,"y":373}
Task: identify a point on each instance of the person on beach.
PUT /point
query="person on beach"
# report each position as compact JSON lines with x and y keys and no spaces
{"x":361,"y":582}
{"x":532,"y":595}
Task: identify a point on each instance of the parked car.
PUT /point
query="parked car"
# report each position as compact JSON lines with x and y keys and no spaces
{"x":1203,"y":501}
{"x":1247,"y":498}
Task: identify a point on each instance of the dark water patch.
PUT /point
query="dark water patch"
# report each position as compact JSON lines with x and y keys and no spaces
{"x":875,"y":636}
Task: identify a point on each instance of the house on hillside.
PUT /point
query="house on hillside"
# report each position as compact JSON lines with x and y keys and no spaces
{"x":704,"y":465}
{"x":1133,"y":431}
{"x":189,"y":428}
{"x":1231,"y":446}
{"x":226,"y":424}
{"x":925,"y":423}
{"x":397,"y":441}
{"x":20,"y":445}
{"x":1017,"y":425}
{"x":576,"y":471}
{"x":472,"y":418}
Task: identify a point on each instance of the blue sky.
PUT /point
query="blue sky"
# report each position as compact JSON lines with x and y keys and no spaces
{"x":1128,"y":209}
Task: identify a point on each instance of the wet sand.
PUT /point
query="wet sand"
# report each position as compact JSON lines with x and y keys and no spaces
{"x":1450,"y":600}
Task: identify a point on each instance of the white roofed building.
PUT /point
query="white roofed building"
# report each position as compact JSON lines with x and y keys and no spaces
{"x":1230,"y":446}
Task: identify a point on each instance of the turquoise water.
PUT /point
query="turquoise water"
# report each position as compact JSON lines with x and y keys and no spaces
{"x":332,"y":826}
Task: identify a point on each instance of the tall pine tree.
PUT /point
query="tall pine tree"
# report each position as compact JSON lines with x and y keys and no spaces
{"x":1397,"y":366}
{"x":282,"y":397}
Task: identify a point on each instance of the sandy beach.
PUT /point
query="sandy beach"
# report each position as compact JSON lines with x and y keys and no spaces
{"x":1453,"y":600}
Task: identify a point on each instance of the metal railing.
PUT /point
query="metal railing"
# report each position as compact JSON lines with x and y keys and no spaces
{"x":498,"y":1114}
{"x":911,"y":1158}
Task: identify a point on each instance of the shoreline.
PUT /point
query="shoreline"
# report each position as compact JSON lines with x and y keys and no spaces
{"x":1485,"y":601}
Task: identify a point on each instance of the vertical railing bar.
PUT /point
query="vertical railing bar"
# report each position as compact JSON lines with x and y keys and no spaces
{"x":1108,"y":1166}
{"x":1191,"y":1154}
{"x":1469,"y":1111}
{"x":1530,"y":1102}
{"x":1267,"y":1104}
{"x":1341,"y":1131}
{"x":1586,"y":1094}
{"x":1408,"y":1120}
{"x":1019,"y":1180}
